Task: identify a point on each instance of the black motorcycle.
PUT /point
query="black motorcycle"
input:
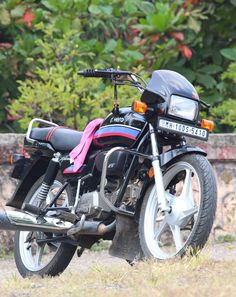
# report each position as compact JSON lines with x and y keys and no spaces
{"x":141,"y":185}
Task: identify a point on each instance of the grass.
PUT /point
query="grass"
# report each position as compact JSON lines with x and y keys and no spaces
{"x":189,"y":277}
{"x":225,"y":238}
{"x":103,"y":245}
{"x":4,"y":254}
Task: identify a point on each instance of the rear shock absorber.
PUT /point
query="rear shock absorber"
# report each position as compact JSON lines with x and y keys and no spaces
{"x":49,"y":178}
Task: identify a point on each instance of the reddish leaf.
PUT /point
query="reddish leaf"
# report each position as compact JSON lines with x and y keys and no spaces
{"x":10,"y":116}
{"x":155,"y":37}
{"x":135,"y":31}
{"x":5,"y":45}
{"x":185,"y":51}
{"x":28,"y":17}
{"x":193,"y":2}
{"x":177,"y":35}
{"x":142,"y":41}
{"x":13,"y":118}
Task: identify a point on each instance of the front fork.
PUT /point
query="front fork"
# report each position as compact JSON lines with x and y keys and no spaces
{"x":161,"y":196}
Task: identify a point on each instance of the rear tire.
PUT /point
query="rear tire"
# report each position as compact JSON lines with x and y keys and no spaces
{"x":29,"y":256}
{"x":193,"y":209}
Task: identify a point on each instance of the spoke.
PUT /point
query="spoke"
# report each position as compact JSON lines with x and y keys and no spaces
{"x":161,"y":229}
{"x":39,"y":254}
{"x":187,"y":214}
{"x":177,"y":237}
{"x":187,"y":192}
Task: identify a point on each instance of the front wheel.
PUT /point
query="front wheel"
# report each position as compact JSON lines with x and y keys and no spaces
{"x":191,"y":193}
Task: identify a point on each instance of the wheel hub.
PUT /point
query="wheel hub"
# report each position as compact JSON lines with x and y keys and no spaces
{"x":180,"y":212}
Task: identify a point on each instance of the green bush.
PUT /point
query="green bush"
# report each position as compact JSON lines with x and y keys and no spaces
{"x":55,"y":92}
{"x":53,"y":37}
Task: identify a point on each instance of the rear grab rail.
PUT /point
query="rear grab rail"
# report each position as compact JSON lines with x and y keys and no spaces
{"x":30,"y":127}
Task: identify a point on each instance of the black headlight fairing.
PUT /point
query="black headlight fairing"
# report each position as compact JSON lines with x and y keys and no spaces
{"x":164,"y":83}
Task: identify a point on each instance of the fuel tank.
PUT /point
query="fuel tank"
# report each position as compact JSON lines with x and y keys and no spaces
{"x":120,"y":129}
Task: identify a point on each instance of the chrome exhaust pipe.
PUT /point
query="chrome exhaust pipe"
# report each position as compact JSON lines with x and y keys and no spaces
{"x":90,"y":228}
{"x":16,"y":220}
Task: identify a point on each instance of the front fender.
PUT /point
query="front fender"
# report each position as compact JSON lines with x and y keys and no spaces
{"x":172,"y":154}
{"x":34,"y":170}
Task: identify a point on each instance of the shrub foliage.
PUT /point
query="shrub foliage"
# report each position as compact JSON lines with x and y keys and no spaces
{"x":43,"y":44}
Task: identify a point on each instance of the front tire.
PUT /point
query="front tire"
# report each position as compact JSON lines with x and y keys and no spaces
{"x":191,"y":193}
{"x":42,"y":259}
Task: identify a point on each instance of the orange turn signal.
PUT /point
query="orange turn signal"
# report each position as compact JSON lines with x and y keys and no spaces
{"x":207,"y":124}
{"x":139,"y":106}
{"x":151,"y":172}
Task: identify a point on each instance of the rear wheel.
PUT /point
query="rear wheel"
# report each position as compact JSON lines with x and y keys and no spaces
{"x":191,"y":193}
{"x":33,"y":257}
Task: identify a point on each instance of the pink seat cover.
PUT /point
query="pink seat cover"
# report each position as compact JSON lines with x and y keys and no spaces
{"x":79,"y":153}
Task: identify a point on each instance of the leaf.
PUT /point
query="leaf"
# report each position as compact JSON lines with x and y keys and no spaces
{"x":5,"y":18}
{"x":130,"y":7}
{"x":217,"y":57}
{"x":211,"y":69}
{"x":194,"y":24}
{"x":18,"y":11}
{"x":2,"y":57}
{"x":63,"y":24}
{"x":106,"y":9}
{"x":110,"y":46}
{"x":145,"y":7}
{"x":229,"y":53}
{"x":94,"y":9}
{"x":206,"y":80}
{"x":135,"y":55}
{"x":188,"y":73}
{"x":161,"y":21}
{"x":230,"y":73}
{"x":50,"y":4}
{"x":233,"y":2}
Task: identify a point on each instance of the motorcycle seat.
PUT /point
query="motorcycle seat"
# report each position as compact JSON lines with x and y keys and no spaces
{"x":61,"y":138}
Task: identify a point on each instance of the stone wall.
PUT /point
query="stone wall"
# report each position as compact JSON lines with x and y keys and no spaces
{"x":9,"y":143}
{"x":221,"y":149}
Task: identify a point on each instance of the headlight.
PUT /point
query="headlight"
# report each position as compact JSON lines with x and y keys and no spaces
{"x":182,"y":107}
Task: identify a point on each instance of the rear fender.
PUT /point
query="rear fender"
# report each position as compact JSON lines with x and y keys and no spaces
{"x":34,"y":170}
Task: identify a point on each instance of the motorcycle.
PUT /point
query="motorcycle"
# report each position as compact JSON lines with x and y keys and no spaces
{"x":140,"y":186}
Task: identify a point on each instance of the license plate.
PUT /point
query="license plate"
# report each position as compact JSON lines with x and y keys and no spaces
{"x":180,"y":128}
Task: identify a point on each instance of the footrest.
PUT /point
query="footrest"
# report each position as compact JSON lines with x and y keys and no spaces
{"x":67,"y":216}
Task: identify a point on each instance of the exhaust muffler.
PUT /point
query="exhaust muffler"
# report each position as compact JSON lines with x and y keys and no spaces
{"x":21,"y":221}
{"x":16,"y":220}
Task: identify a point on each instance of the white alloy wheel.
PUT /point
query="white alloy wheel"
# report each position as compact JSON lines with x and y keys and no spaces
{"x":164,"y":236}
{"x":33,"y":257}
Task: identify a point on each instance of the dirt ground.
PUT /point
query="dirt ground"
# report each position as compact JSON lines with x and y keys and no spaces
{"x":216,"y":252}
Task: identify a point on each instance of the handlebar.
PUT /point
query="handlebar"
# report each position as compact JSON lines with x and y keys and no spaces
{"x":103,"y":73}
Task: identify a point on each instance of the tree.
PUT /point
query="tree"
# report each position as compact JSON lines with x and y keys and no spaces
{"x":94,"y":35}
{"x":189,"y":36}
{"x":225,"y":111}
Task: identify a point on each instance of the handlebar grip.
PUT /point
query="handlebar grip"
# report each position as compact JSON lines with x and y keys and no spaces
{"x":95,"y":73}
{"x":104,"y":73}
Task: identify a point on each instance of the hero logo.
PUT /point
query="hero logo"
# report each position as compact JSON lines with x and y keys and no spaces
{"x":117,"y":120}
